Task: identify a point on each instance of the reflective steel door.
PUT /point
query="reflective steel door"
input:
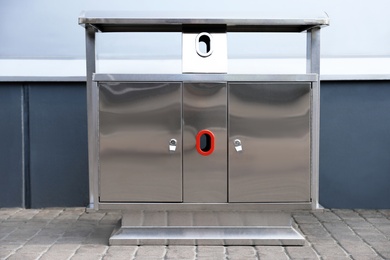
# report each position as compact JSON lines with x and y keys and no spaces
{"x":204,"y":142}
{"x":140,"y":142}
{"x":269,"y":142}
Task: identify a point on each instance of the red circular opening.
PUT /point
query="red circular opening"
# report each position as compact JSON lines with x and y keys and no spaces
{"x":205,"y":141}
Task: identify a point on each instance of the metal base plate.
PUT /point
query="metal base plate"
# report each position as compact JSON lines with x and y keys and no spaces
{"x":206,"y":228}
{"x":207,"y":236}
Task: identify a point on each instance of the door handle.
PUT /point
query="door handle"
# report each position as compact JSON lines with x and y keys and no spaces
{"x":237,"y":145}
{"x":172,"y":145}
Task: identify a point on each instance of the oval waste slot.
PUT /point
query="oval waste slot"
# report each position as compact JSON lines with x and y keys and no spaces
{"x":203,"y":44}
{"x":205,"y":140}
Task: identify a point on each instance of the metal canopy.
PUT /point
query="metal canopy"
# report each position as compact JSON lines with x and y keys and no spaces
{"x":172,"y":22}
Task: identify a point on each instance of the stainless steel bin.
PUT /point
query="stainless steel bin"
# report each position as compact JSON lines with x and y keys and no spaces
{"x":203,"y":157}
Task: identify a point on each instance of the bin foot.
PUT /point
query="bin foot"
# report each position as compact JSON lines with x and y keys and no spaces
{"x":206,"y":228}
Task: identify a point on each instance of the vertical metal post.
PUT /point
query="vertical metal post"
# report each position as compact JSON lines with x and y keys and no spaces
{"x":313,"y":51}
{"x":92,"y":116}
{"x":313,"y":66}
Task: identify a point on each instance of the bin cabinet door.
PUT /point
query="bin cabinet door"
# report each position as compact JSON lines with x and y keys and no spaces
{"x":269,"y":142}
{"x":140,"y":142}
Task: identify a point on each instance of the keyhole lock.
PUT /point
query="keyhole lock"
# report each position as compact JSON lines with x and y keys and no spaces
{"x":237,"y":145}
{"x":203,"y":44}
{"x":172,"y":145}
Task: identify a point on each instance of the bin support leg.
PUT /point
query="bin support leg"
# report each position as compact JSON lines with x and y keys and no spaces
{"x":206,"y":228}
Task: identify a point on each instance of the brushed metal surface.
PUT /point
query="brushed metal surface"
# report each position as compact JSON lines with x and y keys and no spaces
{"x":137,"y":121}
{"x":125,"y":21}
{"x":201,"y":206}
{"x":144,"y":227}
{"x":213,"y":236}
{"x":272,"y":120}
{"x":313,"y":57}
{"x":205,"y":78}
{"x":216,"y":62}
{"x":204,"y":177}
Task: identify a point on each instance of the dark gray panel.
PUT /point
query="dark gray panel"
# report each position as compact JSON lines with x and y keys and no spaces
{"x":58,"y":141}
{"x":355,"y":144}
{"x":11,"y":146}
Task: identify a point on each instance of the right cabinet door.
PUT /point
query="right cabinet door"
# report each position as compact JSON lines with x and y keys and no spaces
{"x":269,"y":142}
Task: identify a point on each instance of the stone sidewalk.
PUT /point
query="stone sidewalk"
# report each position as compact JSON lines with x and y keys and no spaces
{"x":70,"y":233}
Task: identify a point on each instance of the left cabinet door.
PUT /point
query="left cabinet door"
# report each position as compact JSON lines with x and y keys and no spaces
{"x":138,"y":122}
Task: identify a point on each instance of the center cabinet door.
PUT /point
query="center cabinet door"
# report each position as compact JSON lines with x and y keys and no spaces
{"x":204,"y":143}
{"x":137,"y":122}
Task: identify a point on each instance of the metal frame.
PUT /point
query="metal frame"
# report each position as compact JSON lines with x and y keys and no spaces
{"x":313,"y":66}
{"x":95,"y":22}
{"x":92,"y":116}
{"x":274,"y":214}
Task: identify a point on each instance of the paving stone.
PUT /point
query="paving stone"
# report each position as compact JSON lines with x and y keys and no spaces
{"x":382,"y":248}
{"x":240,"y":251}
{"x":381,"y":221}
{"x":357,"y":248}
{"x":330,"y":250}
{"x":151,"y":251}
{"x":120,"y":252}
{"x":271,"y":252}
{"x":70,"y":233}
{"x":237,"y":257}
{"x":52,"y":231}
{"x":212,"y":252}
{"x":5,"y":253}
{"x":317,"y":240}
{"x":327,"y":216}
{"x":24,"y":215}
{"x":341,"y":231}
{"x":110,"y":219}
{"x":78,"y":232}
{"x":64,"y":247}
{"x":63,"y":255}
{"x":90,"y":252}
{"x":6,"y":231}
{"x":336,"y":258}
{"x":86,"y":257}
{"x":71,"y":240}
{"x":20,"y":236}
{"x":301,"y":252}
{"x":100,"y":235}
{"x":384,"y":229}
{"x":316,"y":230}
{"x":369,"y":213}
{"x":375,"y":238}
{"x":47,"y":215}
{"x":180,"y":252}
{"x":10,"y":210}
{"x":93,"y":249}
{"x":346,"y":213}
{"x":43,"y":239}
{"x":24,"y":256}
{"x":35,"y":250}
{"x":365,"y":257}
{"x":304,"y":218}
{"x":385,"y":212}
{"x":91,"y":216}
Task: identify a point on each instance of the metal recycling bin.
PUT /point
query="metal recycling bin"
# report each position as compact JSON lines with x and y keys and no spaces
{"x":203,"y":157}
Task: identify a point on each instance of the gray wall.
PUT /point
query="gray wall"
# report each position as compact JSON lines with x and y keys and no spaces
{"x":11,"y":145}
{"x":43,"y":151}
{"x":355,"y":144}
